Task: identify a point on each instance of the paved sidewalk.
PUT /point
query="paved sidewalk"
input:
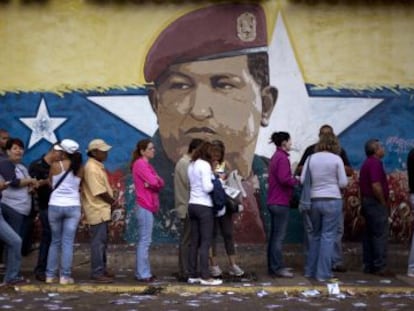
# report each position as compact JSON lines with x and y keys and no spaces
{"x":252,"y":258}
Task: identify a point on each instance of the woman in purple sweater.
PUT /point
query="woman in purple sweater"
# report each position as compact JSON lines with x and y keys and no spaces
{"x":147,"y":186}
{"x":281,"y":184}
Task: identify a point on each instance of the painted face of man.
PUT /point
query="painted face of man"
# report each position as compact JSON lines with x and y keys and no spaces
{"x":214,"y":100}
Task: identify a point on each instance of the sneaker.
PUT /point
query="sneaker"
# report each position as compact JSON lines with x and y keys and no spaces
{"x":211,"y":282}
{"x":410,"y":274}
{"x":193,"y":280}
{"x":235,"y":270}
{"x":283,"y":273}
{"x":66,"y":280}
{"x":215,"y":271}
{"x":51,"y":280}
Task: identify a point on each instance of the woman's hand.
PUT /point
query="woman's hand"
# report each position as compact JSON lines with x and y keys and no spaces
{"x":3,"y":185}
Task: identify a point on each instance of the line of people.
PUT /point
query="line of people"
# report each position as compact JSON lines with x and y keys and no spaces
{"x":62,"y":186}
{"x":58,"y":182}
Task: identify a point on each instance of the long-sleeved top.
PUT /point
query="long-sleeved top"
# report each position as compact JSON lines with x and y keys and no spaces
{"x":200,"y":177}
{"x":327,"y":174}
{"x":281,"y":181}
{"x":147,"y":185}
{"x":181,"y":186}
{"x":16,"y":197}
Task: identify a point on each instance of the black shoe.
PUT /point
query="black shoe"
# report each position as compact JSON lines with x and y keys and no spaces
{"x":339,"y":268}
{"x":151,"y":279}
{"x":384,"y":273}
{"x":40,"y":277}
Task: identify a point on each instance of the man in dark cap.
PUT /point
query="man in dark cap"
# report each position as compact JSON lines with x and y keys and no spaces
{"x":210,"y":75}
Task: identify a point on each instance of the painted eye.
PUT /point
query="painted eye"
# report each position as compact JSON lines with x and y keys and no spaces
{"x":180,"y":86}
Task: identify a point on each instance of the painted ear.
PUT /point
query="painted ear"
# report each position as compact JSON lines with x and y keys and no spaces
{"x":153,"y":98}
{"x":269,"y":97}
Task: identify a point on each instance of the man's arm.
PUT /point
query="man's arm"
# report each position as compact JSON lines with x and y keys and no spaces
{"x":378,"y":193}
{"x":107,"y":198}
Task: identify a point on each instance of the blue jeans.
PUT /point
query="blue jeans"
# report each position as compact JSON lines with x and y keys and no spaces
{"x":13,"y":245}
{"x":99,"y":244}
{"x":279,"y":218}
{"x":325,"y":214}
{"x":45,"y":240}
{"x":63,"y":222}
{"x":145,"y":220}
{"x":375,"y":240}
{"x":337,"y":256}
{"x":14,"y":219}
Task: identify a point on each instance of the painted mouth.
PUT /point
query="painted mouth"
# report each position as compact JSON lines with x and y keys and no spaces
{"x":202,"y":130}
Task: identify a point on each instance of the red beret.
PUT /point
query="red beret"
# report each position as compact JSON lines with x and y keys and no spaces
{"x":212,"y":32}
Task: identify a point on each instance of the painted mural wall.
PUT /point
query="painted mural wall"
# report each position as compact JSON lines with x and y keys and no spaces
{"x":172,"y":71}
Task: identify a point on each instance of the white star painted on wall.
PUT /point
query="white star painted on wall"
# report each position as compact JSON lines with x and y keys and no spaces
{"x":298,"y":113}
{"x":42,"y":126}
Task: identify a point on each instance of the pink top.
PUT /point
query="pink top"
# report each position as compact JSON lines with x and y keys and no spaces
{"x":147,"y":185}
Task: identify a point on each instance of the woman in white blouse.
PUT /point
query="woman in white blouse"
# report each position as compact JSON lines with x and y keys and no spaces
{"x":200,"y":210}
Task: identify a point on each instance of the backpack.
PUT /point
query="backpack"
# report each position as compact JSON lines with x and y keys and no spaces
{"x":218,"y":195}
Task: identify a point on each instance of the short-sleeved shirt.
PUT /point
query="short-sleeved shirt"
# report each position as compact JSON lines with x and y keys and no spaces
{"x":95,"y":182}
{"x":372,"y":171}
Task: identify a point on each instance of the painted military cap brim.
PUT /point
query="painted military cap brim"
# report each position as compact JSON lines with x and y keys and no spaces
{"x":212,"y":32}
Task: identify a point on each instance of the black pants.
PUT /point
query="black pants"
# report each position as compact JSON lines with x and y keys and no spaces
{"x":202,"y":222}
{"x":225,"y":225}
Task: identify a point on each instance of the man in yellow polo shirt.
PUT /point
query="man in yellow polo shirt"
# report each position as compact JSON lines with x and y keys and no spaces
{"x":97,"y":199}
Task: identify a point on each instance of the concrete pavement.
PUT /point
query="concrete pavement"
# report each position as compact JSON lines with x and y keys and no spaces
{"x":252,"y":258}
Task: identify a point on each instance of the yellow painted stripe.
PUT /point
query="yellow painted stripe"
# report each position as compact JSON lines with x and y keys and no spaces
{"x":194,"y":289}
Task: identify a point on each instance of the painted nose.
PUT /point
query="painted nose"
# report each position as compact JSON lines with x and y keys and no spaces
{"x":201,"y":107}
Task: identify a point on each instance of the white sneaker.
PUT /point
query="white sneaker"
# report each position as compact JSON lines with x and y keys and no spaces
{"x":66,"y":280}
{"x":193,"y":280}
{"x":410,"y":274}
{"x":215,"y":271}
{"x":211,"y":282}
{"x":284,"y":273}
{"x":51,"y":280}
{"x":236,"y":270}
